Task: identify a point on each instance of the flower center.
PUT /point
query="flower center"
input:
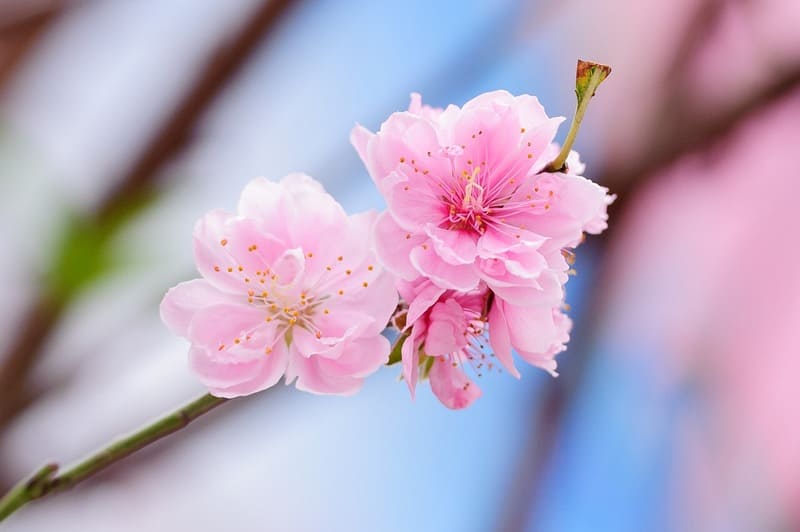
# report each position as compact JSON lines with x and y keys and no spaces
{"x":470,"y":211}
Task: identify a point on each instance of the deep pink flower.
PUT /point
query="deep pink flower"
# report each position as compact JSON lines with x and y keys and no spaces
{"x":290,"y":286}
{"x":446,"y":337}
{"x":453,"y":330}
{"x":466,"y":201}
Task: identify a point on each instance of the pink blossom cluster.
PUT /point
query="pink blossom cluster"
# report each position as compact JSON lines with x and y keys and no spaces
{"x":478,"y":234}
{"x":476,"y":240}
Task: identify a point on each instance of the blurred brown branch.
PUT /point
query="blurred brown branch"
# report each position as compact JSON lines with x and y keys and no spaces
{"x":19,"y":33}
{"x":556,"y":402}
{"x":679,"y":129}
{"x":44,"y":314}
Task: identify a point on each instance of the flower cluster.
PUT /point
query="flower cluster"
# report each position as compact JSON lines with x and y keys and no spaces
{"x":479,"y":234}
{"x":476,"y":239}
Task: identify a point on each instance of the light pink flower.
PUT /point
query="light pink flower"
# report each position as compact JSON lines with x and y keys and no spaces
{"x":290,"y":286}
{"x":466,"y":201}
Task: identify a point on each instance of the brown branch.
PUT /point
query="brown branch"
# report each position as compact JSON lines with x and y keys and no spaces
{"x":44,"y":314}
{"x":222,"y":66}
{"x":19,"y":39}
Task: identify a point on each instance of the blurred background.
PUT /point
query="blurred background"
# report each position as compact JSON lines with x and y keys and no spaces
{"x":678,"y":405}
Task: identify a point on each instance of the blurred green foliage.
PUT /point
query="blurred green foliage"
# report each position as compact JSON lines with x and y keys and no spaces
{"x":85,"y":250}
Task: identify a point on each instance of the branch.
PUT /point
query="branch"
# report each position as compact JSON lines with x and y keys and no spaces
{"x":47,"y":480}
{"x":44,"y":313}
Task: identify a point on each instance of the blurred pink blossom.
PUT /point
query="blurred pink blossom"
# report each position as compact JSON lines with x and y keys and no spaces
{"x":290,"y":286}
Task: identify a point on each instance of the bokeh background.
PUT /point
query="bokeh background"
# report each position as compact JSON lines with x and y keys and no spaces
{"x":678,"y":405}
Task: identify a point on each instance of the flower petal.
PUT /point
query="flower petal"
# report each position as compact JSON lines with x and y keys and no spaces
{"x":451,"y":385}
{"x":453,"y":246}
{"x":410,"y":355}
{"x":446,"y":329}
{"x":227,"y":378}
{"x":343,"y":376}
{"x":394,"y":244}
{"x":462,"y":277}
{"x":184,"y":300}
{"x":500,"y":338}
{"x":221,"y":325}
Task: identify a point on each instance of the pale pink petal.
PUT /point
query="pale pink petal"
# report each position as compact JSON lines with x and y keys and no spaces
{"x":424,"y":296}
{"x":462,"y":277}
{"x":360,"y":358}
{"x":500,"y":338}
{"x":343,"y":376}
{"x":289,"y":267}
{"x":224,"y":323}
{"x":359,"y":138}
{"x":410,"y":355}
{"x":394,"y":244}
{"x":184,"y":300}
{"x":226,"y":378}
{"x":454,"y":247}
{"x":446,"y":329}
{"x":376,"y":302}
{"x":414,"y":203}
{"x":451,"y":385}
{"x":210,"y":255}
{"x":534,"y":330}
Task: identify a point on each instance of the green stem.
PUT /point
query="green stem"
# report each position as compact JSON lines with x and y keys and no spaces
{"x":396,"y":354}
{"x":47,"y":480}
{"x":597,"y":77}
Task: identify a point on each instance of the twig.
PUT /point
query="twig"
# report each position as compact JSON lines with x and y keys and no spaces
{"x":43,"y":315}
{"x":48,"y":481}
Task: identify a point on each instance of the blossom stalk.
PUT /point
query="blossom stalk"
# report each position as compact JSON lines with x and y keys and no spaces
{"x":589,"y":76}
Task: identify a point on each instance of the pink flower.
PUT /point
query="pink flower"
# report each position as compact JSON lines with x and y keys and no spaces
{"x":449,"y":336}
{"x":446,"y":337}
{"x":466,"y":201}
{"x":290,"y":287}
